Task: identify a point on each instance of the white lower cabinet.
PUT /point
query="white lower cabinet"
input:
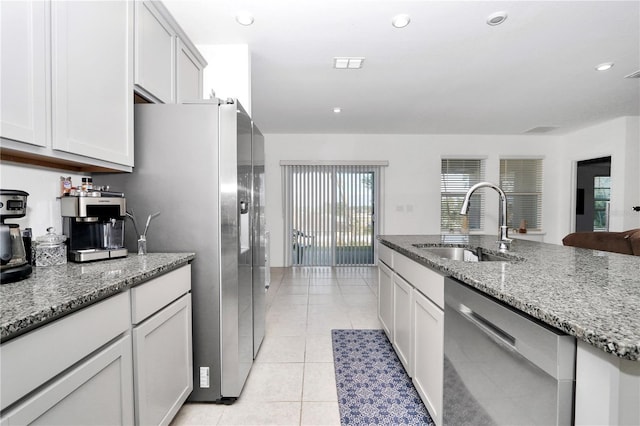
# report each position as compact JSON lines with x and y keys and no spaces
{"x":385,"y":298}
{"x":163,"y":363}
{"x":411,"y":305}
{"x":96,"y":392}
{"x":122,"y":361}
{"x":428,"y":353}
{"x":402,"y":300}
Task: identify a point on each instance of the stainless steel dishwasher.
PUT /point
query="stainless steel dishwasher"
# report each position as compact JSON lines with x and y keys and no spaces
{"x":502,"y":367}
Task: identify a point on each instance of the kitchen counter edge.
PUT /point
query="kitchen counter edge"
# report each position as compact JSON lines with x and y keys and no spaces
{"x":53,"y":292}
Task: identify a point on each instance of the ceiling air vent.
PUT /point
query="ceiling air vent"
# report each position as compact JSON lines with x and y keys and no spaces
{"x":633,"y":75}
{"x":542,"y":129}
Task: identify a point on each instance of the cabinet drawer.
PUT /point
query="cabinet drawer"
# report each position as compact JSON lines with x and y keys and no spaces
{"x":385,"y":254}
{"x":150,"y":297}
{"x":30,"y":360}
{"x":98,"y":391}
{"x":428,"y":282}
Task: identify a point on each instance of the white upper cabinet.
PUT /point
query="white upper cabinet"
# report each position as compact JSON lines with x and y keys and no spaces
{"x":189,"y":74}
{"x":155,"y":54}
{"x":92,"y":79}
{"x":24,"y":76}
{"x":168,"y":67}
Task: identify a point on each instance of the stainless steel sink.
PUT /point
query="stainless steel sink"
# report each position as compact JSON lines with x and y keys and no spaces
{"x":465,"y":254}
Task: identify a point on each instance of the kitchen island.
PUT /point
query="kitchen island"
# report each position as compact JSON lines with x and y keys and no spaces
{"x":588,"y":294}
{"x":107,"y":342}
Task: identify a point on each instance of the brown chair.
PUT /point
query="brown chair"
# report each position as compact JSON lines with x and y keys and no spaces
{"x":627,"y":242}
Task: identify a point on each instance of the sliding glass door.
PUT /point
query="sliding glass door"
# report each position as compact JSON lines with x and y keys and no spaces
{"x":330,"y":214}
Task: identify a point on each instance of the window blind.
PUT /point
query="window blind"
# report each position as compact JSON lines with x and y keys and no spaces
{"x":521,"y":180}
{"x":457,"y":176}
{"x":330,"y":213}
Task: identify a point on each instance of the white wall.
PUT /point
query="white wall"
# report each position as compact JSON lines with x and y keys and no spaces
{"x":43,"y":186}
{"x":620,"y":139}
{"x":228,"y":73}
{"x":412,"y":180}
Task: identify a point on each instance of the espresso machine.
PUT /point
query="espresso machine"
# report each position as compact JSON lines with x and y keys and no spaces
{"x":14,"y":263}
{"x":93,"y":222}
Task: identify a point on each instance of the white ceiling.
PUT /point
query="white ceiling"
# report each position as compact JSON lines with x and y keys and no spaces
{"x":448,"y":72}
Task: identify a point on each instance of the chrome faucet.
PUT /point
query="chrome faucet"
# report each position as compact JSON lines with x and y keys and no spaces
{"x":503,"y":235}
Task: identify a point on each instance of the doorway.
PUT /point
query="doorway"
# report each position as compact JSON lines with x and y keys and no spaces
{"x":593,"y":194}
{"x":330,"y":214}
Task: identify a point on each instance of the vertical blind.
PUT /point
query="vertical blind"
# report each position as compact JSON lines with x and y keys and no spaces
{"x":521,"y":180}
{"x":329,"y":214}
{"x":457,"y":176}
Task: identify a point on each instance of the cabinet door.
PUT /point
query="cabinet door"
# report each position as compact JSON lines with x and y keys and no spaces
{"x":163,"y":363}
{"x":189,"y":75}
{"x":92,"y":79}
{"x":154,"y":54}
{"x":402,"y":295}
{"x":428,"y":353}
{"x":99,"y":391}
{"x":24,"y":71}
{"x":385,"y":298}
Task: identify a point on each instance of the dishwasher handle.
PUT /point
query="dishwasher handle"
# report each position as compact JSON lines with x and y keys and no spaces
{"x":494,"y":332}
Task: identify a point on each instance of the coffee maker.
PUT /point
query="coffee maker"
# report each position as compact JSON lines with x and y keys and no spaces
{"x":13,"y":258}
{"x":93,"y":222}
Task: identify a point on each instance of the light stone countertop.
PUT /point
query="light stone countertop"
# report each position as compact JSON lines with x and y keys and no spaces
{"x":589,"y":294}
{"x":52,"y":292}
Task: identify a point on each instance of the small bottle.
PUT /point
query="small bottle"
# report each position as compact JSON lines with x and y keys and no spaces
{"x":89,"y":184}
{"x":84,"y":184}
{"x":65,"y":185}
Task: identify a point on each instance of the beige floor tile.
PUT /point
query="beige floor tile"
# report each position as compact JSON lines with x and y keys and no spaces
{"x":320,"y":414}
{"x":286,"y":280}
{"x":260,"y":413}
{"x":319,"y":382}
{"x":320,"y":281}
{"x":282,"y":349}
{"x":352,"y":281}
{"x":324,"y":289}
{"x":198,"y":414}
{"x":292,"y":289}
{"x":362,"y":321}
{"x":290,"y":299}
{"x":356,"y":289}
{"x":286,"y":328}
{"x":274,"y":382}
{"x":319,"y":348}
{"x":335,"y":319}
{"x":326,"y":299}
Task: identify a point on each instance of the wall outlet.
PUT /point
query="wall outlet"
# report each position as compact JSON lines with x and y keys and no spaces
{"x":204,"y":377}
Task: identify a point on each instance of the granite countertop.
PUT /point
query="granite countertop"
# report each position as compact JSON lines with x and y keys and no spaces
{"x":52,"y":292}
{"x":589,"y":294}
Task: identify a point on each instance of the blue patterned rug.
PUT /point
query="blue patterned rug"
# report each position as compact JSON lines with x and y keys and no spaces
{"x":373,"y":387}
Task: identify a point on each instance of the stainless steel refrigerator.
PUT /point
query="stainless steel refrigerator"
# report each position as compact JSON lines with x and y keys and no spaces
{"x":202,"y":166}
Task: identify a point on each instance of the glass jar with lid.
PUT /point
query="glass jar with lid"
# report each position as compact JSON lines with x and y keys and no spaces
{"x":50,"y":249}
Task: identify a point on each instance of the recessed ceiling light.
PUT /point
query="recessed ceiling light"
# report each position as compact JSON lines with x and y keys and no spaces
{"x":604,"y":66}
{"x":401,"y":21}
{"x":337,"y":110}
{"x":244,"y":18}
{"x":496,"y":18}
{"x":352,"y":63}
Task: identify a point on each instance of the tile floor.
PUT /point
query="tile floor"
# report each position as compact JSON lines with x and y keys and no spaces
{"x":292,"y":381}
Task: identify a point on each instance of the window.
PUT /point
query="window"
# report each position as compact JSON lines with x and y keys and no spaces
{"x":601,"y":197}
{"x":456,"y":177}
{"x":329,"y":213}
{"x":521,"y":180}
